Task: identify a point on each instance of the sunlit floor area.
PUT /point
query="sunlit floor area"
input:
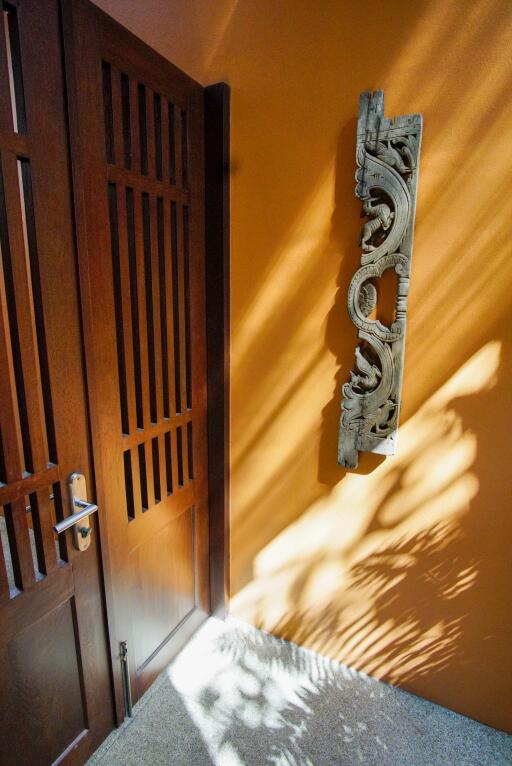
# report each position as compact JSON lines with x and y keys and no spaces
{"x":236,"y":696}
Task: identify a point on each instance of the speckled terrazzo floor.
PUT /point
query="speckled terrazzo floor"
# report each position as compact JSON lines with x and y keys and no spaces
{"x":239,"y":697}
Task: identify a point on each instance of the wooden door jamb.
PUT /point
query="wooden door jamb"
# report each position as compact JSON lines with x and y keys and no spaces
{"x":217,"y":247}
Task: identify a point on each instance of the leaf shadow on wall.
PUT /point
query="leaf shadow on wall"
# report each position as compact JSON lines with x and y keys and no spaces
{"x":427,"y":602}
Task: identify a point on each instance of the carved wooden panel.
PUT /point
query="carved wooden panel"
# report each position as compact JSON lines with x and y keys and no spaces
{"x":387,"y":157}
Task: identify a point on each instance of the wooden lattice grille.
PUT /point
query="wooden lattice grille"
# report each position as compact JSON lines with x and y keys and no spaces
{"x":29,"y":474}
{"x":146,"y":149}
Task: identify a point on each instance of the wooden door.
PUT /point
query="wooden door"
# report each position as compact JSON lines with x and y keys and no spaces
{"x":55,"y":690}
{"x":137,"y":156}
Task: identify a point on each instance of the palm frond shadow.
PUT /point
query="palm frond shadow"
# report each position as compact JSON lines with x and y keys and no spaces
{"x":307,"y":710}
{"x":419,"y":588}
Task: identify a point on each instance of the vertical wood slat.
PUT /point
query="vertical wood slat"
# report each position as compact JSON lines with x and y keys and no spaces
{"x":141,"y":302}
{"x":181,"y":302}
{"x":142,"y":121}
{"x":126,"y":121}
{"x":188,"y":303}
{"x":175,"y":282}
{"x":6,"y":121}
{"x":162,"y":318}
{"x":177,"y":146}
{"x":181,"y":463}
{"x":174,"y":458}
{"x":156,"y":308}
{"x":167,"y":486}
{"x":46,"y":521}
{"x":134,"y":125}
{"x":25,"y":312}
{"x":137,"y":501}
{"x":183,"y":150}
{"x":186,"y":469}
{"x":14,"y":57}
{"x":4,"y":583}
{"x":9,"y":411}
{"x":124,"y":275}
{"x":157,"y":115}
{"x":164,"y":112}
{"x":163,"y":468}
{"x":144,"y":361}
{"x":108,"y":120}
{"x":170,"y":141}
{"x":149,"y":473}
{"x":168,"y":277}
{"x":117,"y":115}
{"x":150,"y":123}
{"x":22,"y":554}
{"x":191,"y":446}
{"x":13,"y":451}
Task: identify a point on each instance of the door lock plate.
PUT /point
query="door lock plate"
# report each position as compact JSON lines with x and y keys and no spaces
{"x":82,"y":532}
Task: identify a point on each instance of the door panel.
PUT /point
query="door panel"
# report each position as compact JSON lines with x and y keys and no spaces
{"x":163,"y":596}
{"x":137,"y":137}
{"x":54,"y":673}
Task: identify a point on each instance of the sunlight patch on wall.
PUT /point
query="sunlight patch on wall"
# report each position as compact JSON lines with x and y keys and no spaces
{"x":269,"y":460}
{"x":292,"y":264}
{"x":319,"y":581}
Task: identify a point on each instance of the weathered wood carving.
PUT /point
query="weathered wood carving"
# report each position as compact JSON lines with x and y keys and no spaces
{"x":387,"y":156}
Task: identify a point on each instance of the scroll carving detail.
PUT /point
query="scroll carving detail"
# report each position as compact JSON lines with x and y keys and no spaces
{"x":387,"y":157}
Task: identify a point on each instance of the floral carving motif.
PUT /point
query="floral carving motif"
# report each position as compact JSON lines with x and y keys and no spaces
{"x":387,"y":156}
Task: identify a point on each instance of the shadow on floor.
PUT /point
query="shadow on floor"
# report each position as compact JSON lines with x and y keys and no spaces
{"x":238,"y":697}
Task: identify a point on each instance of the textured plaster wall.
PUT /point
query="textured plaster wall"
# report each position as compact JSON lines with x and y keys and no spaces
{"x":403,"y":568}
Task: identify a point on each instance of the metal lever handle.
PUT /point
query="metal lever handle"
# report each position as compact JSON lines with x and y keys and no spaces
{"x":77,"y":499}
{"x":70,"y":521}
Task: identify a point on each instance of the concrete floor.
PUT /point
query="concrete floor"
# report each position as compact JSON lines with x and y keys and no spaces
{"x":238,"y":697}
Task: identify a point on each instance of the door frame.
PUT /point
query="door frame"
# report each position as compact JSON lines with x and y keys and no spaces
{"x":217,"y":247}
{"x":216,"y":212}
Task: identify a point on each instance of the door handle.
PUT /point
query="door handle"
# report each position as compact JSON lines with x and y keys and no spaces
{"x":77,"y":488}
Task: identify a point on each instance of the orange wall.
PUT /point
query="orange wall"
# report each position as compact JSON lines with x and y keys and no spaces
{"x":403,"y":568}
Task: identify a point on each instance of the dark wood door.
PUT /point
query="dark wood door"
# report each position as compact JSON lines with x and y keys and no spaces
{"x":55,"y":690}
{"x":137,"y":156}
